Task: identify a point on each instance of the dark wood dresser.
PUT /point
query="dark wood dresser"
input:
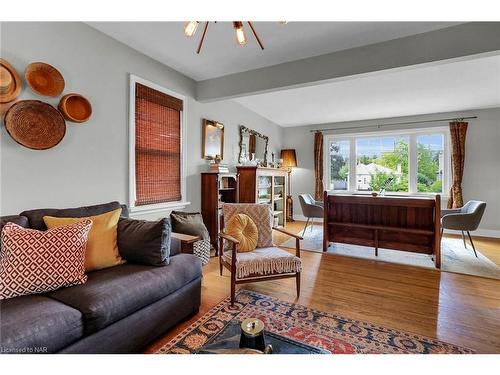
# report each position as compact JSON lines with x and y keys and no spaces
{"x":216,"y":189}
{"x":397,"y":223}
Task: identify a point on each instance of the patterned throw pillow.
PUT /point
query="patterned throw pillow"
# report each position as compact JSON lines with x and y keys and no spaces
{"x":33,"y":262}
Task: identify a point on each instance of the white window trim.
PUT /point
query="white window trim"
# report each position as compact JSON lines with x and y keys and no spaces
{"x":412,"y":161}
{"x":167,"y":206}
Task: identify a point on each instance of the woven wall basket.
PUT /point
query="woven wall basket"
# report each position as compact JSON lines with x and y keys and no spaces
{"x":75,"y":108}
{"x":35,"y":124}
{"x":44,"y":79}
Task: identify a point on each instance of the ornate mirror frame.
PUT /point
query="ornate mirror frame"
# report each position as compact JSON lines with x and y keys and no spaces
{"x":244,"y":129}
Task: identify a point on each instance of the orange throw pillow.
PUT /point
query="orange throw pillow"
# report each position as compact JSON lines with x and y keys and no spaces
{"x":243,"y":228}
{"x":102,"y":247}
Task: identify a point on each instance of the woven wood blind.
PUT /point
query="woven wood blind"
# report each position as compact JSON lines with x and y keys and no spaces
{"x":157,"y":146}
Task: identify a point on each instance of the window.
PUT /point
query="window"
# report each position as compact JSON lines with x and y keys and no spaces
{"x":408,"y":162}
{"x":156,"y":163}
{"x":339,"y":164}
{"x":430,"y":163}
{"x":382,"y":162}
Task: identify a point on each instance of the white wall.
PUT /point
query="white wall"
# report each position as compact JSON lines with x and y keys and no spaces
{"x":481,"y":175}
{"x":90,"y":165}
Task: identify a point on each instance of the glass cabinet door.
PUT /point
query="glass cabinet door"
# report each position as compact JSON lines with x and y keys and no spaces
{"x":279,"y":200}
{"x":264,"y":190}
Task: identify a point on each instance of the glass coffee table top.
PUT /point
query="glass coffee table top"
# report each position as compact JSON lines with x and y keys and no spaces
{"x":227,"y":342}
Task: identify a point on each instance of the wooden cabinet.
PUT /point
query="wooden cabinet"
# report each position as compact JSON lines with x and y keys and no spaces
{"x":265,"y":186}
{"x":216,"y":189}
{"x":397,"y":223}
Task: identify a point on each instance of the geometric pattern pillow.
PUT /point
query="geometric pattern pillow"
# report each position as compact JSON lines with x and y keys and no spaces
{"x":260,"y":214}
{"x":33,"y":261}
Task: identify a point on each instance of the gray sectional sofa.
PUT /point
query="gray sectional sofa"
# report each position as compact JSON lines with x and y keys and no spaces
{"x":118,"y":310}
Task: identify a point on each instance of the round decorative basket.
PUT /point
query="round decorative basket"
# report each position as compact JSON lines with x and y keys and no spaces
{"x":35,"y":124}
{"x":44,"y":79}
{"x":75,"y":108}
{"x":10,"y":83}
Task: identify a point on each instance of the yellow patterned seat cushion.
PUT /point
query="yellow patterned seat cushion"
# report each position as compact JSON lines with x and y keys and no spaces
{"x":243,"y":228}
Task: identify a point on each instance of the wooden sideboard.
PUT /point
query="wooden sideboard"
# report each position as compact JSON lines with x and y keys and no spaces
{"x":216,"y":189}
{"x":397,"y":223}
{"x":265,"y":186}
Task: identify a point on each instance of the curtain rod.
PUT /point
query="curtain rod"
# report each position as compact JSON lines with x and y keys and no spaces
{"x":395,"y":123}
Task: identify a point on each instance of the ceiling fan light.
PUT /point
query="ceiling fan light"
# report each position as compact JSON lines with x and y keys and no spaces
{"x":241,"y":36}
{"x":190,"y":28}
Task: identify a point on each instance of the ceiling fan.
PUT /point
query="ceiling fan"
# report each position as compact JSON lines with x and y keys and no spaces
{"x":241,"y":36}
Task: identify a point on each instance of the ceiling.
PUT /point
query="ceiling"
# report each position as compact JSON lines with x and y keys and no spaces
{"x":446,"y":87}
{"x":166,"y":42}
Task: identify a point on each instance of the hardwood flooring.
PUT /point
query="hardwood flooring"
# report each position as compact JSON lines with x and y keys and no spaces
{"x":460,"y":309}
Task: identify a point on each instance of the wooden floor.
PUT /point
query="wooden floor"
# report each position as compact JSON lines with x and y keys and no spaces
{"x":459,"y":309}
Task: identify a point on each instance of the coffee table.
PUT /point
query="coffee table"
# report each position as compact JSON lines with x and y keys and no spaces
{"x":227,"y":342}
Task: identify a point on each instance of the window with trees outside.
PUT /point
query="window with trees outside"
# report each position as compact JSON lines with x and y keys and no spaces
{"x":397,"y":162}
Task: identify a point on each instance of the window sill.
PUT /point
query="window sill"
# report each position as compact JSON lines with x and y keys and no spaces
{"x":389,"y":194}
{"x":155,"y":208}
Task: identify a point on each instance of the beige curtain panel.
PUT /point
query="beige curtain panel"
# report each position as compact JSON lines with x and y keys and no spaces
{"x":318,"y":165}
{"x":458,"y":131}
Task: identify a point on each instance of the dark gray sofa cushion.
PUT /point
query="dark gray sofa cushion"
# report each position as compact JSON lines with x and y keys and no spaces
{"x":35,"y":217}
{"x":145,"y":242}
{"x":132,"y":333}
{"x":16,"y":219}
{"x":114,"y":293}
{"x":30,"y":322}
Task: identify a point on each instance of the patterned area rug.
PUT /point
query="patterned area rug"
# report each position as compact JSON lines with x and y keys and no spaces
{"x":454,"y":256}
{"x":334,"y":333}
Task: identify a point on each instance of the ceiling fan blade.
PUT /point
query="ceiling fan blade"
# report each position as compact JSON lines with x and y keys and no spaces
{"x":202,"y":37}
{"x":255,"y":34}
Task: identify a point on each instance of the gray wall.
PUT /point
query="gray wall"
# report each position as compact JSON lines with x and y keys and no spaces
{"x":481,"y":175}
{"x":90,"y":165}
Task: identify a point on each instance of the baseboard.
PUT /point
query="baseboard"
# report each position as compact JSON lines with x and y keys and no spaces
{"x":492,"y":233}
{"x":477,"y":233}
{"x":303,"y":218}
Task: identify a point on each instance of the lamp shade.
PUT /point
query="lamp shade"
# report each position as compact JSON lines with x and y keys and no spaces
{"x":289,"y":158}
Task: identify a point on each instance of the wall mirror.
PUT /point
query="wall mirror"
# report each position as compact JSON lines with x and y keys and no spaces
{"x":213,"y":139}
{"x":253,"y":147}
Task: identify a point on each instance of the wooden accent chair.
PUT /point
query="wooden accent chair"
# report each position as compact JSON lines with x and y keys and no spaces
{"x":266,"y":262}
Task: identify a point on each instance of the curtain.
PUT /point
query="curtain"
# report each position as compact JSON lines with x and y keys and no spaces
{"x":318,"y":165}
{"x":458,"y":131}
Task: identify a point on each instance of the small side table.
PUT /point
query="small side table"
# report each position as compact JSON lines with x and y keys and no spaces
{"x":187,"y":242}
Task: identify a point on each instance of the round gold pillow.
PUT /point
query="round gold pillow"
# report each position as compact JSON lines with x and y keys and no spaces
{"x":242,"y":228}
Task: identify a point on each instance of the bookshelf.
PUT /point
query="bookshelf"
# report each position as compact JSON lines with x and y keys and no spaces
{"x":216,"y":189}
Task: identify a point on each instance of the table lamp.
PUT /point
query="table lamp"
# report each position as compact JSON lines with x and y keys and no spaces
{"x":289,"y":161}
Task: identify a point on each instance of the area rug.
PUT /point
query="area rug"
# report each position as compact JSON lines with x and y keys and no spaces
{"x":454,"y":256}
{"x":337,"y":334}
